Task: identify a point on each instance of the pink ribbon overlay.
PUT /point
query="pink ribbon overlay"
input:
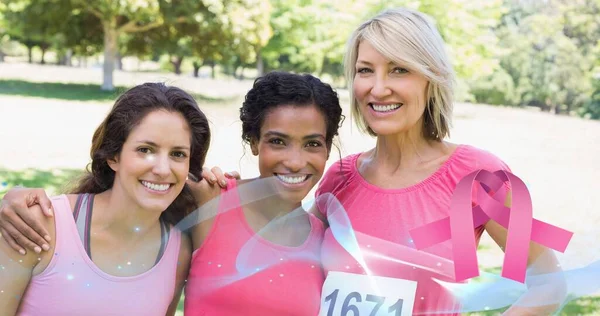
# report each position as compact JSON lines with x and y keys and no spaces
{"x":464,"y":217}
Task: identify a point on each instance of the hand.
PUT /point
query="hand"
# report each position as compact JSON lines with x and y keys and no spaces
{"x":18,"y":226}
{"x":216,"y":175}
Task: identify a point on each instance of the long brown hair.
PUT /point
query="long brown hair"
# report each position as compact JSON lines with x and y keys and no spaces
{"x":128,"y":111}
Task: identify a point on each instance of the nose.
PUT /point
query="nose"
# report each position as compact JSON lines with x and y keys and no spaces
{"x":380,"y":88}
{"x":162,"y":166}
{"x":295,"y":160}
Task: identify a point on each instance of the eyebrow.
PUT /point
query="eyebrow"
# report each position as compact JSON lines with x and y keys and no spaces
{"x":370,"y":64}
{"x":153,"y":144}
{"x":282,"y":135}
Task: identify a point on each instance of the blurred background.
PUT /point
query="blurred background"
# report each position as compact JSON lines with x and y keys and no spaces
{"x":528,"y":88}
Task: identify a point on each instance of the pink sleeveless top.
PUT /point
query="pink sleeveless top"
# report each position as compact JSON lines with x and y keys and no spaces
{"x":73,"y":285}
{"x":382,"y":218}
{"x":236,"y":272}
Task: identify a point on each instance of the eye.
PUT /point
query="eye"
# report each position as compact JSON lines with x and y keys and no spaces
{"x":179,"y":154}
{"x":144,"y":150}
{"x":399,"y":70}
{"x":314,"y":143}
{"x":363,"y":70}
{"x":276,"y":141}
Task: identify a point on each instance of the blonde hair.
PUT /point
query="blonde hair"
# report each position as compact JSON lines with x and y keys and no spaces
{"x":409,"y":38}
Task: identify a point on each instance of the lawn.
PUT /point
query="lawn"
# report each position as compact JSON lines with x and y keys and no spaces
{"x":74,"y":91}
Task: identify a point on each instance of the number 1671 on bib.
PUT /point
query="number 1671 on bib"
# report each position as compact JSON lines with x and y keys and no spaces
{"x":347,"y":294}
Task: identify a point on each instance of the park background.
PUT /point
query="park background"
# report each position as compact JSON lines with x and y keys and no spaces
{"x":528,"y":86}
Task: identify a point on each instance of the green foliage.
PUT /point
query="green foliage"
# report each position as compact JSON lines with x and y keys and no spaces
{"x":542,"y":53}
{"x":591,"y":108}
{"x":547,"y":50}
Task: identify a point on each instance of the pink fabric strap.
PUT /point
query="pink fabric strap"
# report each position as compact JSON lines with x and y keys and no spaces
{"x":518,"y":220}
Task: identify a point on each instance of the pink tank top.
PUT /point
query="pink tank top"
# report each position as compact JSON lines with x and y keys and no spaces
{"x":73,"y":285}
{"x":382,"y":219}
{"x":236,"y":272}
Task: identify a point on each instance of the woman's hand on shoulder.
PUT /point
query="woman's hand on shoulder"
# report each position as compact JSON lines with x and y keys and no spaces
{"x":18,"y":224}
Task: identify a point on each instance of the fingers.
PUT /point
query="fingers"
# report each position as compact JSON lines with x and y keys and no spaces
{"x":42,"y":199}
{"x":222,"y":180}
{"x":20,"y":240}
{"x":11,"y":242}
{"x":23,"y":232}
{"x":208,"y":175}
{"x":233,"y":175}
{"x":216,"y":175}
{"x":23,"y":219}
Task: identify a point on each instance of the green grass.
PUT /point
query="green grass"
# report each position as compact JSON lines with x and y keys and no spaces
{"x":589,"y":305}
{"x":74,"y":91}
{"x":55,"y":181}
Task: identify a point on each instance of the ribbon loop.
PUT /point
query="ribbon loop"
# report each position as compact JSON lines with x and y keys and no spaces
{"x":464,"y":217}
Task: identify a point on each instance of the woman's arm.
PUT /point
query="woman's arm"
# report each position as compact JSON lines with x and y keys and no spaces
{"x":16,"y":270}
{"x":183,"y":267}
{"x":541,"y":298}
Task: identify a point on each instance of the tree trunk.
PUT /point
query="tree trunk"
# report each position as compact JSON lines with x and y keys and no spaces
{"x":213,"y":71}
{"x":119,"y":61}
{"x":197,"y":66}
{"x":1,"y":56}
{"x":110,"y":52}
{"x":177,"y":61}
{"x":68,"y":57}
{"x":260,"y":64}
{"x":43,"y":54}
{"x":29,"y":53}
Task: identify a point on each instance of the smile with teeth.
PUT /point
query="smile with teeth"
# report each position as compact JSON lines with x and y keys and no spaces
{"x":292,"y":179}
{"x":385,"y":108}
{"x":155,"y":186}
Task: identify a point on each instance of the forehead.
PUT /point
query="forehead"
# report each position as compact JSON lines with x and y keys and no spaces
{"x":367,"y":52}
{"x":163,"y":127}
{"x":294,"y":119}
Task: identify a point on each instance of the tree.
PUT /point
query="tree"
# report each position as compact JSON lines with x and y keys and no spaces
{"x":548,"y":53}
{"x":36,"y":23}
{"x":117,"y":17}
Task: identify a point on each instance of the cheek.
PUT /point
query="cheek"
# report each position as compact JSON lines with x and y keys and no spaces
{"x":319,"y":161}
{"x":267,"y":156}
{"x":359,"y":87}
{"x":181,"y":169}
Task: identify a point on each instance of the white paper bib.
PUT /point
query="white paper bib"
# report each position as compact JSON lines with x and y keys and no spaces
{"x":348,"y":294}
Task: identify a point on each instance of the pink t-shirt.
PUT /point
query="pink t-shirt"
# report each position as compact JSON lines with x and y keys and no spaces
{"x":382,"y":219}
{"x":73,"y":285}
{"x":236,"y":272}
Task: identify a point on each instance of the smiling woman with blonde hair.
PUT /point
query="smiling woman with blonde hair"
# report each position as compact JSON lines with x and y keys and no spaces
{"x":402,"y":92}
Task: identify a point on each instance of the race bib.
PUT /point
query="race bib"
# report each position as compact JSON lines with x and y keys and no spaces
{"x":348,"y":294}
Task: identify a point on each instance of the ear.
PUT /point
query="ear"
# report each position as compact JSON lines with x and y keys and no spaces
{"x":113,"y":163}
{"x":254,"y":146}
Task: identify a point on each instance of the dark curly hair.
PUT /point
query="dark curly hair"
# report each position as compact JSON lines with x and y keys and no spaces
{"x":128,"y":111}
{"x":282,"y":88}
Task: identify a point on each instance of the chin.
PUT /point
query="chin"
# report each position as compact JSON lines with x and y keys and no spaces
{"x":387,"y":130}
{"x":293,"y":198}
{"x":153,"y":204}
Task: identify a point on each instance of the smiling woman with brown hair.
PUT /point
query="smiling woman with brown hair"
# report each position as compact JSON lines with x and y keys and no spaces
{"x":113,"y":235}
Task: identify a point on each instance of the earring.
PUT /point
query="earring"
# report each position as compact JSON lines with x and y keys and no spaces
{"x":187,"y":178}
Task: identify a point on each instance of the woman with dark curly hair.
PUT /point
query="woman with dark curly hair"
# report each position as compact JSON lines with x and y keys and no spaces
{"x":112,"y":236}
{"x":260,"y":254}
